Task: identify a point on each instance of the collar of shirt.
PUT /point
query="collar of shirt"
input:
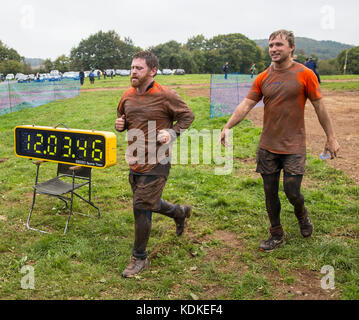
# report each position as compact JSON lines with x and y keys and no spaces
{"x":150,"y":86}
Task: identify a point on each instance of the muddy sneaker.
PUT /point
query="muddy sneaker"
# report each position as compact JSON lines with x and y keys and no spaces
{"x":271,"y":243}
{"x":135,"y":266}
{"x":180,"y":222}
{"x":306,"y":227}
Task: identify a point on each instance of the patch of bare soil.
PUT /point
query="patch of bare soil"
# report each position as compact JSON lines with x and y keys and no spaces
{"x":306,"y":286}
{"x":343,"y":108}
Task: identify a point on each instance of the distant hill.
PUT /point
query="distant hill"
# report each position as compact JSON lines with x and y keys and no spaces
{"x":34,"y":62}
{"x":324,"y":50}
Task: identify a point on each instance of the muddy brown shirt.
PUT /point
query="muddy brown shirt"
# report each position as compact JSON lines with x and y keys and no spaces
{"x":285,"y":93}
{"x":146,"y":114}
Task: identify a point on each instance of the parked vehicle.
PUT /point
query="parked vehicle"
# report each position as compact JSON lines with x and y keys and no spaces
{"x":108,"y":72}
{"x":54,"y":73}
{"x":71,"y":75}
{"x":159,"y":71}
{"x":179,"y":72}
{"x":124,"y":72}
{"x":18,"y":75}
{"x":23,"y":78}
{"x":54,"y":78}
{"x":10,"y":76}
{"x":166,"y":71}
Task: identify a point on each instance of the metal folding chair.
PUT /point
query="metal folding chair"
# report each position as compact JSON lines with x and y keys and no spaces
{"x":57,"y":187}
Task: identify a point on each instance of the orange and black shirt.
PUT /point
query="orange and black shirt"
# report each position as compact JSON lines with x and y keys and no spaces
{"x":157,"y":109}
{"x":285,"y":93}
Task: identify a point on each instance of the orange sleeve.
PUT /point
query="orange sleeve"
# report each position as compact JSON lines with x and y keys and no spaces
{"x":255,"y":93}
{"x":312,"y":86}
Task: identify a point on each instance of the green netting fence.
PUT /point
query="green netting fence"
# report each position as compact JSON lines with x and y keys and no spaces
{"x":15,"y":96}
{"x":226,"y":94}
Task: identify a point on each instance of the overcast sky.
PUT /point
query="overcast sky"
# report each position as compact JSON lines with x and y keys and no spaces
{"x":47,"y":29}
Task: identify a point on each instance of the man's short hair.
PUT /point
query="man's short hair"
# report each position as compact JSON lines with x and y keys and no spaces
{"x":149,"y":57}
{"x":288,"y":35}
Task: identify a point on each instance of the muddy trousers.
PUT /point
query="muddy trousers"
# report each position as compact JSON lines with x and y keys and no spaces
{"x":291,"y":184}
{"x":143,"y":224}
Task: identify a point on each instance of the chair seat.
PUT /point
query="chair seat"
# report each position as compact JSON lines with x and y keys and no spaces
{"x":60,"y":185}
{"x":56,"y":186}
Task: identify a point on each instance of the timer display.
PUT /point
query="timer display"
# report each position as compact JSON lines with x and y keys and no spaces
{"x":72,"y":146}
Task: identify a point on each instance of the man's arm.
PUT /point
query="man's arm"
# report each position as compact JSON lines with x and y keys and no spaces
{"x":238,"y":115}
{"x":332,"y":144}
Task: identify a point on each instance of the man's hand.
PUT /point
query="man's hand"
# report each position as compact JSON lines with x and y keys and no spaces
{"x":332,"y":146}
{"x":163,"y":137}
{"x":120,"y":123}
{"x":223,"y":139}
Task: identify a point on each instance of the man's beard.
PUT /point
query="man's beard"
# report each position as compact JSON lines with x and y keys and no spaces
{"x":140,"y":81}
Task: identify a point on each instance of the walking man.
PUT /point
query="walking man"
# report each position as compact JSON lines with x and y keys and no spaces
{"x":253,"y":70}
{"x":148,"y":111}
{"x":225,"y":68}
{"x":285,"y":87}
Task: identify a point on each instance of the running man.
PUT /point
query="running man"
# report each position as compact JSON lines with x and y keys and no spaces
{"x":148,"y":111}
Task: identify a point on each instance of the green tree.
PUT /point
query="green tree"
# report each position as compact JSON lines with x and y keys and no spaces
{"x":352,"y":60}
{"x":235,"y":48}
{"x":62,"y":63}
{"x":328,"y":67}
{"x":48,"y":65}
{"x":8,"y":53}
{"x":196,"y":43}
{"x":11,"y":66}
{"x":168,"y":54}
{"x":103,"y":50}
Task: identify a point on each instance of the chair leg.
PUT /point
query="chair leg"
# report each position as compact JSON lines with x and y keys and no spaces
{"x":30,"y":213}
{"x":70,"y":213}
{"x":91,"y":204}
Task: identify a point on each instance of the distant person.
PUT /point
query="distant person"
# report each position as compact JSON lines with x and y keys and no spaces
{"x":82,"y":77}
{"x":312,"y":65}
{"x":92,"y":77}
{"x":285,"y":87}
{"x":253,"y":70}
{"x":111,"y":74}
{"x":104,"y":74}
{"x":98,"y":74}
{"x":225,"y":68}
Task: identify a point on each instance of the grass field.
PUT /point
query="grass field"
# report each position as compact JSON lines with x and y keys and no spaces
{"x":216,"y":258}
{"x":341,"y":86}
{"x":204,"y":79}
{"x":341,"y":77}
{"x":170,"y":80}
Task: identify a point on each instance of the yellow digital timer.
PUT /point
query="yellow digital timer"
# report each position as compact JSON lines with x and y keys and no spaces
{"x":87,"y":148}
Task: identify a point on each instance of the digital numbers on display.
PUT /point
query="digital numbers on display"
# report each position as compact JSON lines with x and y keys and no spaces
{"x":81,"y":147}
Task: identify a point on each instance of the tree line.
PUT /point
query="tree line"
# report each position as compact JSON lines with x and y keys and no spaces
{"x":107,"y":50}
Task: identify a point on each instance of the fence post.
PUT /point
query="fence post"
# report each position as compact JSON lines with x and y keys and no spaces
{"x":8,"y":86}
